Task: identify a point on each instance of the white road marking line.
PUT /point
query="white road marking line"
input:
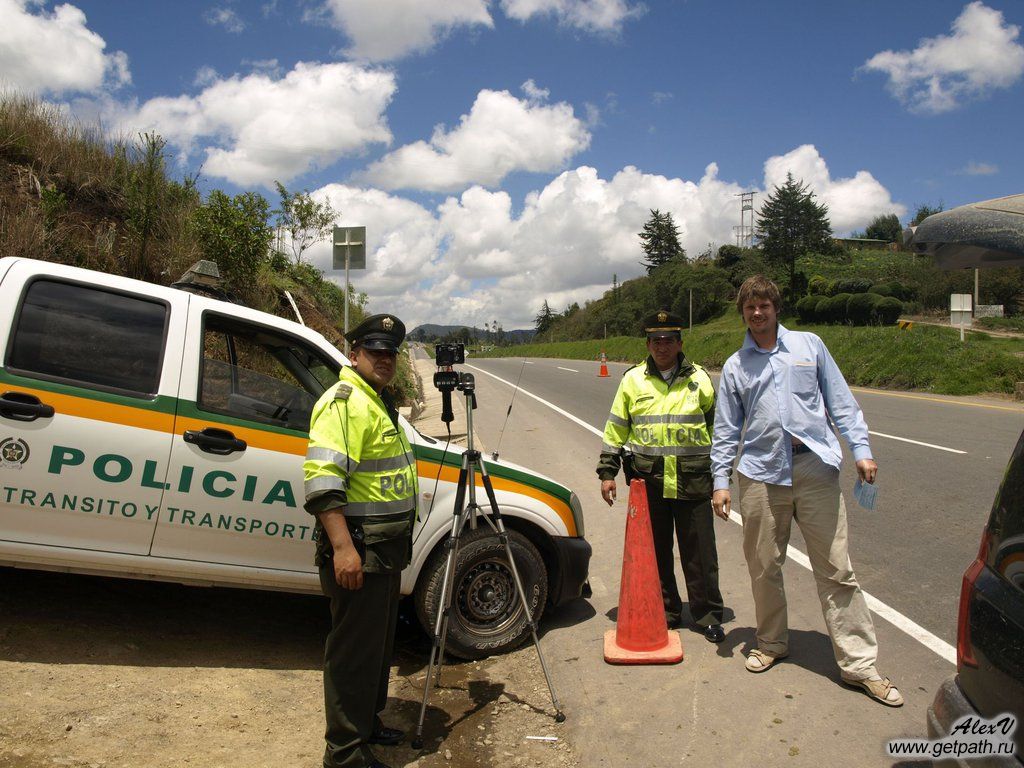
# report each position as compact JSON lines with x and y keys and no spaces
{"x":541,"y":400}
{"x":935,"y":644}
{"x":572,"y":370}
{"x":916,"y":442}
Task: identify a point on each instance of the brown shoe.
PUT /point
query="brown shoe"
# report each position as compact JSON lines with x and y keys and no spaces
{"x":880,"y":689}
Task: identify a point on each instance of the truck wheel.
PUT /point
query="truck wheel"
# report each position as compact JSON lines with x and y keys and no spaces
{"x":486,"y":616}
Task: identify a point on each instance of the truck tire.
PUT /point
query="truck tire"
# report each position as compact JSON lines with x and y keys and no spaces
{"x":486,"y":616}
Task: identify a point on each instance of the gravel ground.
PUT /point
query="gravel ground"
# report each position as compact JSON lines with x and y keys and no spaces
{"x":116,"y":673}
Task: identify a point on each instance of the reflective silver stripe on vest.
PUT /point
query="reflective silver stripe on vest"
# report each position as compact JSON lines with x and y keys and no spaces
{"x":671,"y":450}
{"x":323,"y":483}
{"x":617,"y":420}
{"x":407,"y":459}
{"x":364,"y":508}
{"x":616,"y":449}
{"x":671,"y":418}
{"x":330,"y":455}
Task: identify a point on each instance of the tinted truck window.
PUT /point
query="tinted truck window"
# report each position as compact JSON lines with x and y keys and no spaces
{"x":90,"y":337}
{"x":253,"y":373}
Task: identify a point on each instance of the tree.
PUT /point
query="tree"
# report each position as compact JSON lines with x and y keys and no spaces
{"x":660,"y":241}
{"x":233,"y":232}
{"x":304,"y":219}
{"x":885,"y":227}
{"x":923,"y":212}
{"x":544,"y":319}
{"x":791,"y":224}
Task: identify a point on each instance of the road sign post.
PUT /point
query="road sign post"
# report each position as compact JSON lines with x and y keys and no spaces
{"x":349,"y":253}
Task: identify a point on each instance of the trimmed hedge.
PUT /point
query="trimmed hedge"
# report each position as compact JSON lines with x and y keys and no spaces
{"x":860,"y":310}
{"x":888,"y":310}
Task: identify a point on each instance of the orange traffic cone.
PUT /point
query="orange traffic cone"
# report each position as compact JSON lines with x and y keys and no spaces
{"x":604,"y":366}
{"x":641,"y":635}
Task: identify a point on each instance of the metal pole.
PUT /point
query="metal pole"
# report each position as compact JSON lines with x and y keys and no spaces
{"x":346,"y":301}
{"x":975,"y":307}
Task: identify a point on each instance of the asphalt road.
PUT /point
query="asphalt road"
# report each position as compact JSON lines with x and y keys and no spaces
{"x":911,"y":551}
{"x":909,"y":554}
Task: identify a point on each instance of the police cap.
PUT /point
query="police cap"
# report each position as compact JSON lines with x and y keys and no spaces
{"x":378,"y":332}
{"x":663,"y":324}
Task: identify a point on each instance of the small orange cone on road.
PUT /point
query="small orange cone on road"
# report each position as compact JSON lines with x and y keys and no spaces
{"x":604,"y":366}
{"x":641,"y":635}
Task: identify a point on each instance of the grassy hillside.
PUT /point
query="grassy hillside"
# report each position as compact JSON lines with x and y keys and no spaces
{"x":73,"y":195}
{"x":925,"y":358}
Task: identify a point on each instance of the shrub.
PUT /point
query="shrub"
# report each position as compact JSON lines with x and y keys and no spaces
{"x":881,"y":289}
{"x":853,"y":285}
{"x":805,"y":308}
{"x":860,"y":308}
{"x":817,"y":285}
{"x":835,"y":310}
{"x":888,"y":310}
{"x":820,"y":307}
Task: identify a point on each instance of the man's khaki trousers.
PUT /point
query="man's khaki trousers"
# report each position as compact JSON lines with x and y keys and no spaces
{"x":816,"y":503}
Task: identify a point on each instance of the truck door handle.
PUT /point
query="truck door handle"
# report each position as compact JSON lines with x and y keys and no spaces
{"x":213,"y":440}
{"x":21,"y":406}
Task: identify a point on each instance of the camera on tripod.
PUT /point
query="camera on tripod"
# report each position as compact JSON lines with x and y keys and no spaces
{"x":448,"y":380}
{"x":448,"y":354}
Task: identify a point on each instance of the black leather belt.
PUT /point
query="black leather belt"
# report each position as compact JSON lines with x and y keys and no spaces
{"x":800,"y":449}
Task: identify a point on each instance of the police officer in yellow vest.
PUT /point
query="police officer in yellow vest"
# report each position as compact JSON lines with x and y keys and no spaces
{"x":659,"y":429}
{"x":361,"y":486}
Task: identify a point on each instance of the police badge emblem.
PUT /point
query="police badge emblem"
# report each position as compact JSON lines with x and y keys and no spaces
{"x":13,"y":453}
{"x":388,"y":323}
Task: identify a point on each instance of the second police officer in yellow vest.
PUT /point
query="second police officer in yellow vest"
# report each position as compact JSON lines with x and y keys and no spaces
{"x":361,"y":485}
{"x":659,"y":430}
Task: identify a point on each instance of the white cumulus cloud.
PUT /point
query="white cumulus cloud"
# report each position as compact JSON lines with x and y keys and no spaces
{"x":382,"y":30}
{"x":980,"y":54}
{"x":257,"y":128}
{"x":500,"y":135}
{"x":55,"y":52}
{"x":852,"y":203}
{"x":476,"y":258}
{"x":588,"y":15}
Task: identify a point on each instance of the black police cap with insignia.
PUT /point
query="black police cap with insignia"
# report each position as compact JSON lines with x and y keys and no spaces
{"x":663,"y":323}
{"x":378,"y":332}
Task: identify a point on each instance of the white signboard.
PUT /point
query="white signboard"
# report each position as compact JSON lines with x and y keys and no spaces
{"x":960,"y":302}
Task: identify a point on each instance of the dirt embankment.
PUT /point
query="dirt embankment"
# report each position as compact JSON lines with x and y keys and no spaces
{"x":123,"y":674}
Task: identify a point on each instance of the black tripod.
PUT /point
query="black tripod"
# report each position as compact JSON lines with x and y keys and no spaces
{"x":447,"y":381}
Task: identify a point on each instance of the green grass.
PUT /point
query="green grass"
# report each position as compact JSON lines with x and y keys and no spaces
{"x":1000,"y":323}
{"x":924,"y":358}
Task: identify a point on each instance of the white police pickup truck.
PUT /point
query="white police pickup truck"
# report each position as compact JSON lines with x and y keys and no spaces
{"x":149,"y":432}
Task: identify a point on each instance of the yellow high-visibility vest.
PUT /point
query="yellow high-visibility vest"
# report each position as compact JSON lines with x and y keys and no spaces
{"x":651,"y":419}
{"x":355,"y":447}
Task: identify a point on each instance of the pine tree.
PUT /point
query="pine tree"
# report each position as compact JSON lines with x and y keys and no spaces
{"x":544,"y":319}
{"x":791,"y":224}
{"x":660,"y":241}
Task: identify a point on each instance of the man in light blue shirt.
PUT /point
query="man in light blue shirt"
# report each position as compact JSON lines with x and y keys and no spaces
{"x":777,"y":396}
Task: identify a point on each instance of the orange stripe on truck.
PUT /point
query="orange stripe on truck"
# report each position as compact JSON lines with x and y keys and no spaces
{"x":428,"y":470}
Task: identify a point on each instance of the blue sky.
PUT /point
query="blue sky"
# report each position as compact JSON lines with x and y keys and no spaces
{"x":506,"y":152}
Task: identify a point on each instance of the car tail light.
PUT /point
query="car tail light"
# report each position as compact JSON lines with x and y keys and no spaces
{"x":964,"y":650}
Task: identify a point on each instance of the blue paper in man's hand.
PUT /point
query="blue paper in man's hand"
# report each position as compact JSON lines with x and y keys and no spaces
{"x":865,"y":493}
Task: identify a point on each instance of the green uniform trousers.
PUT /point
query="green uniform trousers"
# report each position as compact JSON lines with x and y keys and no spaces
{"x":357,"y":662}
